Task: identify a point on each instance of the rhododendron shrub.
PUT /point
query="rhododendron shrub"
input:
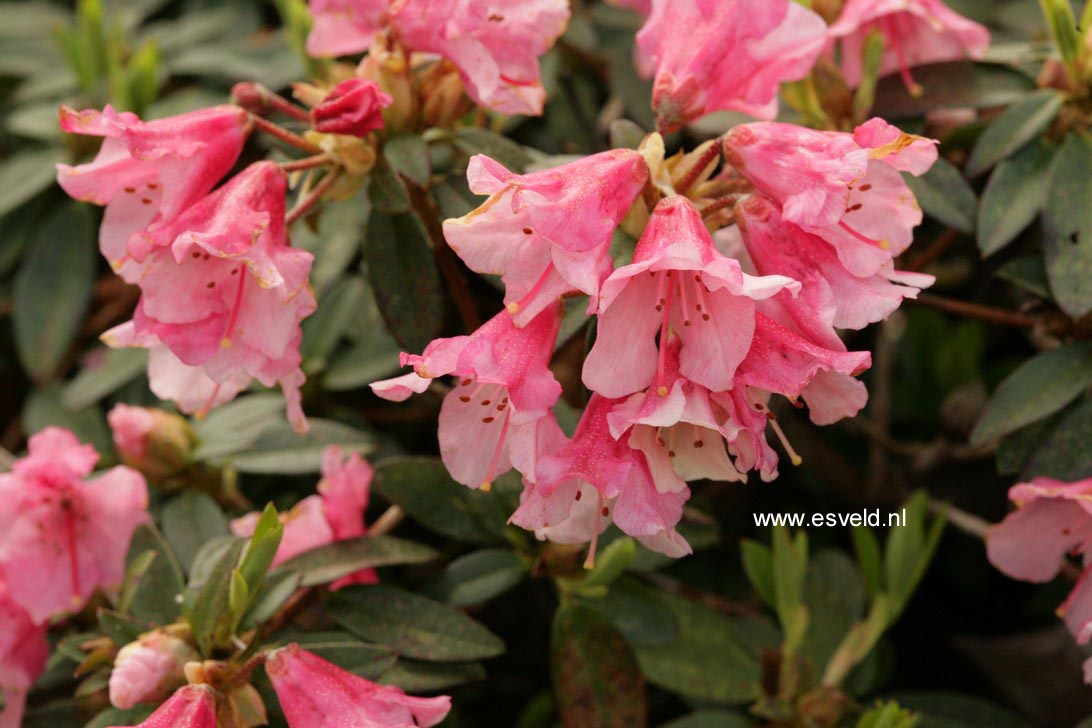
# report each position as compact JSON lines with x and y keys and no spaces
{"x":545,"y":362}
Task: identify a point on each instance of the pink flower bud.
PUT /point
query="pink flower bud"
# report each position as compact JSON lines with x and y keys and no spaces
{"x":315,"y":693}
{"x":147,"y":670}
{"x":352,"y":107}
{"x":155,"y":442}
{"x":191,"y":706}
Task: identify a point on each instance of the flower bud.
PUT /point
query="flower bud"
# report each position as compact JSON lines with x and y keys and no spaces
{"x":191,"y":706}
{"x":153,"y":441}
{"x":147,"y":670}
{"x":353,"y":107}
{"x":443,"y":97}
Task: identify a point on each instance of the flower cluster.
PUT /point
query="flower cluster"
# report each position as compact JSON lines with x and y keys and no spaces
{"x":494,"y":46}
{"x":1052,"y":520}
{"x":692,"y":340}
{"x":62,"y":538}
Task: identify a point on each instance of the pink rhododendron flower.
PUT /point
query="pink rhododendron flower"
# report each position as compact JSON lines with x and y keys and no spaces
{"x":1052,"y":520}
{"x":148,"y":670}
{"x":504,"y":389}
{"x":844,"y":188}
{"x":191,"y":706}
{"x":580,"y":486}
{"x":147,"y":173}
{"x":547,"y":233}
{"x":314,"y":693}
{"x":344,"y":27}
{"x":644,"y":7}
{"x":224,"y":293}
{"x":495,"y":45}
{"x":915,"y":32}
{"x":23,"y":655}
{"x":63,"y":537}
{"x":677,"y":282}
{"x":714,"y":55}
{"x":355,"y":107}
{"x":830,"y":293}
{"x":335,"y":514}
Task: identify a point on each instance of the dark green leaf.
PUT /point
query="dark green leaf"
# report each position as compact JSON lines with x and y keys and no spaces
{"x":1014,"y":128}
{"x":1040,"y":386}
{"x":407,"y":154}
{"x":956,"y":84}
{"x":119,"y":717}
{"x":386,"y":190}
{"x":45,"y":408}
{"x":1065,"y":454}
{"x":403,"y":277}
{"x":711,"y":719}
{"x":191,"y":520}
{"x":121,"y":629}
{"x":473,"y":140}
{"x":260,"y":549}
{"x":952,"y":710}
{"x":53,"y":289}
{"x":1028,"y":272}
{"x":413,"y":625}
{"x":24,"y":175}
{"x":347,"y":652}
{"x":106,"y":371}
{"x":1067,"y":226}
{"x":945,"y":195}
{"x":425,"y":491}
{"x":281,"y":450}
{"x":758,"y":565}
{"x":208,"y":615}
{"x":835,"y":600}
{"x":479,"y":576}
{"x":1014,"y":197}
{"x":595,"y":675}
{"x":415,"y":676}
{"x":638,"y":612}
{"x":153,"y":594}
{"x":323,"y":330}
{"x":329,"y":563}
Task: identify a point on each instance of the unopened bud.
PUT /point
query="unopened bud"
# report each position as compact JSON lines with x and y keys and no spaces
{"x":149,"y":669}
{"x":249,"y":96}
{"x":353,"y":107}
{"x":153,"y":441}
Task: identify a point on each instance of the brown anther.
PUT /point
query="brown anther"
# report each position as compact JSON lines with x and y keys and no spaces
{"x":528,"y":231}
{"x":196,"y":254}
{"x":699,"y":444}
{"x":145,"y":201}
{"x":866,"y":188}
{"x":578,"y":494}
{"x":486,"y":402}
{"x":606,"y":511}
{"x":464,"y":398}
{"x":671,"y":453}
{"x":130,"y":190}
{"x":153,"y":185}
{"x":705,"y":317}
{"x":211,"y":284}
{"x":487,"y":420}
{"x":466,"y":382}
{"x":687,"y":323}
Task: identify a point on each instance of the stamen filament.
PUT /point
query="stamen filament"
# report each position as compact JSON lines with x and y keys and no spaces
{"x":793,"y":455}
{"x":515,"y":306}
{"x":661,"y":389}
{"x":487,"y":484}
{"x":73,"y":551}
{"x":225,"y":342}
{"x":589,"y":563}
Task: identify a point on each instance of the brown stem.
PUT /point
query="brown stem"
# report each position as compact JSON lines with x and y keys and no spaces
{"x":307,"y":203}
{"x":937,"y":248}
{"x":719,"y":204}
{"x":316,"y":160}
{"x":694,"y":172}
{"x":284,"y":135}
{"x":446,"y":260}
{"x":387,"y":522}
{"x":283,"y":105}
{"x":977,"y":310}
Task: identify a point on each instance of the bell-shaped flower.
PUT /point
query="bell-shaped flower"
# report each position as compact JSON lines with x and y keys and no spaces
{"x":224,"y":293}
{"x":335,"y":514}
{"x":595,"y":468}
{"x":344,"y":27}
{"x":63,"y":537}
{"x":504,"y":388}
{"x":716,"y":55}
{"x":354,"y":107}
{"x":314,"y":693}
{"x":23,"y":655}
{"x":1053,"y":519}
{"x":845,"y":188}
{"x":496,"y":46}
{"x":191,"y":706}
{"x":547,"y":233}
{"x":149,"y":172}
{"x":915,"y":33}
{"x":678,"y":282}
{"x":829,"y":291}
{"x":150,"y":669}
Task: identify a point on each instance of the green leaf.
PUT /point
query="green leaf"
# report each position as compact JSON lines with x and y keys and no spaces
{"x":44,"y":408}
{"x":951,"y":85}
{"x":1063,"y":29}
{"x":345,"y":651}
{"x":867,"y":549}
{"x":1014,"y":128}
{"x":413,"y":625}
{"x":952,"y":710}
{"x":279,"y":588}
{"x":1065,"y":454}
{"x":53,"y":290}
{"x":1014,"y":197}
{"x":119,"y":717}
{"x":407,"y":154}
{"x":403,"y":277}
{"x":106,"y":371}
{"x":758,"y":565}
{"x":478,"y":577}
{"x":191,"y":520}
{"x":711,"y":719}
{"x":1028,"y":272}
{"x":712,"y":658}
{"x":473,"y":140}
{"x":415,"y":676}
{"x":1040,"y":386}
{"x":260,"y":550}
{"x":910,"y":548}
{"x":333,"y":561}
{"x":386,"y":190}
{"x":595,"y":675}
{"x":835,"y":600}
{"x":208,"y":615}
{"x":625,"y":134}
{"x":1067,"y":226}
{"x":25,"y":174}
{"x":337,"y":241}
{"x":323,"y":330}
{"x":945,"y":195}
{"x":281,"y":450}
{"x":151,"y":593}
{"x":425,"y":491}
{"x":121,"y":629}
{"x":362,"y":364}
{"x":638,"y":612}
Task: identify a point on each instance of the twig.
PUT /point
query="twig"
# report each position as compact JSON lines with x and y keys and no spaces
{"x":446,"y":260}
{"x":307,"y":203}
{"x":387,"y":522}
{"x":297,"y":165}
{"x":937,"y":248}
{"x":284,"y":135}
{"x":977,"y":310}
